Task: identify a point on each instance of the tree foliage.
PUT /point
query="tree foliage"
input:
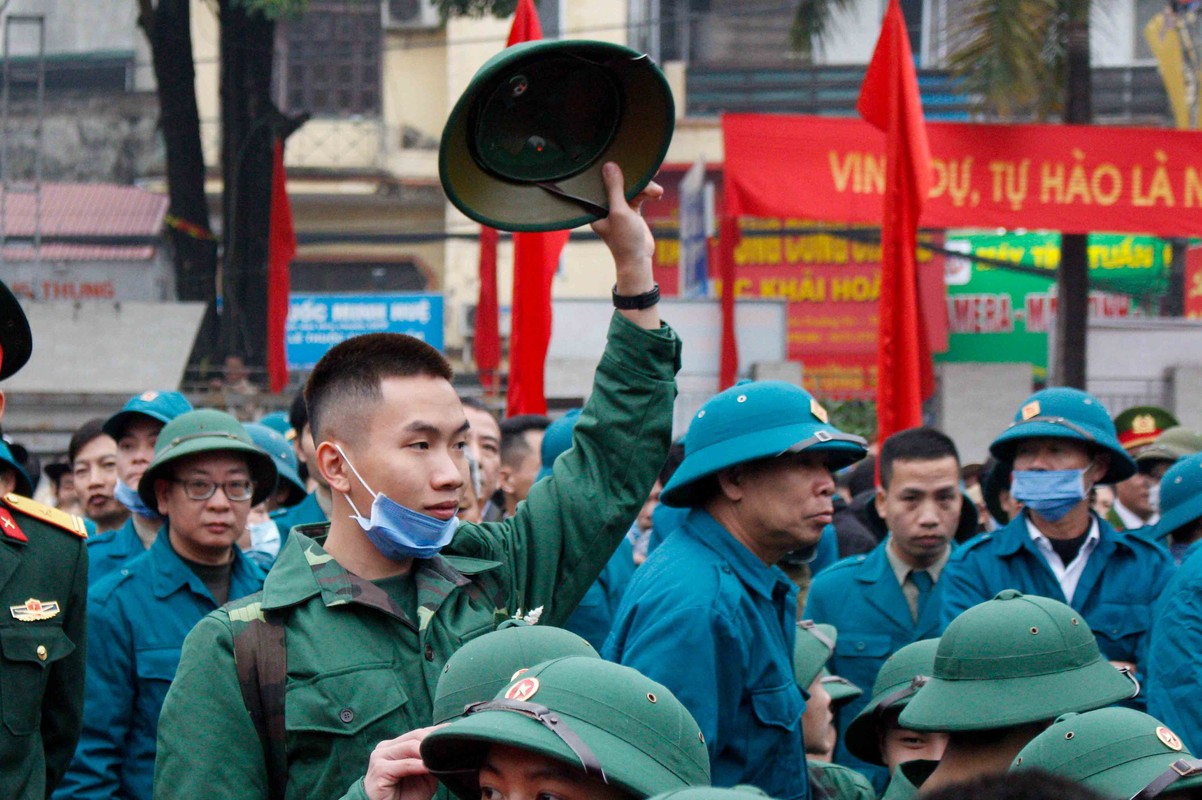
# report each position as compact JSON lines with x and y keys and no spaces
{"x":476,"y":8}
{"x":811,"y":24}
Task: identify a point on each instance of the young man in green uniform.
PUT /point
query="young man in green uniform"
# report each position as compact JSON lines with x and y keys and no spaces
{"x":43,"y":596}
{"x":373,"y":604}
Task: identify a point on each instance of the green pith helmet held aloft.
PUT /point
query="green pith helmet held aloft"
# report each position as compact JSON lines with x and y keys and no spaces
{"x":1064,"y":413}
{"x":609,"y":721}
{"x":753,"y":420}
{"x":812,"y":648}
{"x":1014,"y":660}
{"x":16,"y":340}
{"x":1140,"y":426}
{"x":1172,"y":445}
{"x":900,"y":677}
{"x":523,"y":147}
{"x":487,"y":664}
{"x":1180,"y":496}
{"x":1117,"y":752}
{"x":206,"y":431}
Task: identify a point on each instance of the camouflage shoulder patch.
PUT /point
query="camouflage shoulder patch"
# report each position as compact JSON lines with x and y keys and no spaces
{"x":52,"y":516}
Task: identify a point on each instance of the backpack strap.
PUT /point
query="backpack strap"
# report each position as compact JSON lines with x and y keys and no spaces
{"x":261,"y":660}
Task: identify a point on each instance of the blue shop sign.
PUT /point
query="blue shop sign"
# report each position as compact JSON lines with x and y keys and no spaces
{"x":317,"y":322}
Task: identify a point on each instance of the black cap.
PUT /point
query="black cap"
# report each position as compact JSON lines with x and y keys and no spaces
{"x":15,"y":338}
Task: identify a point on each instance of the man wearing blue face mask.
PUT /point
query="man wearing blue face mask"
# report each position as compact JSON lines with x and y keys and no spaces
{"x":302,"y":689}
{"x":1062,"y":442}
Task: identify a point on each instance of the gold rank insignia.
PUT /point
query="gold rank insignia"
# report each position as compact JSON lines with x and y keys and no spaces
{"x":33,"y":610}
{"x":818,"y":411}
{"x":54,"y":516}
{"x":1030,"y":410}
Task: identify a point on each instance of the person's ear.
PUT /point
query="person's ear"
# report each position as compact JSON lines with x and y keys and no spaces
{"x":333,"y":467}
{"x":1098,"y":467}
{"x":730,"y":483}
{"x":879,"y":501}
{"x":505,"y":479}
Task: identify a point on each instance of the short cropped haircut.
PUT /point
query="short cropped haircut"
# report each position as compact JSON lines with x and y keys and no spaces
{"x":514,"y":446}
{"x":352,"y":373}
{"x":88,"y":432}
{"x":476,"y":403}
{"x":915,"y":444}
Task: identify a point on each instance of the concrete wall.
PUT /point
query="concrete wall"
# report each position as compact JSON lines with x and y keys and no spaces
{"x":977,"y":401}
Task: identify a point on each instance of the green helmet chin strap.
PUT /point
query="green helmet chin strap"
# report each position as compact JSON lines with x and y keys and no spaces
{"x":552,"y":722}
{"x":1181,"y":768}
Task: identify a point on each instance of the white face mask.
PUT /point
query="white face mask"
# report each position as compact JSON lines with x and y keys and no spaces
{"x":1154,"y":497}
{"x":265,"y":537}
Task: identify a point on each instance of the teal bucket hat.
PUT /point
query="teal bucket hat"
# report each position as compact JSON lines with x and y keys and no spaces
{"x":1064,"y":413}
{"x":16,"y":339}
{"x":753,"y":420}
{"x":274,"y":444}
{"x":607,"y":720}
{"x":1014,"y":660}
{"x":278,"y":422}
{"x":486,"y":664}
{"x":1180,"y":496}
{"x":207,"y":431}
{"x":24,"y":485}
{"x":1119,"y":753}
{"x":900,"y":678}
{"x":160,"y":406}
{"x":524,"y":145}
{"x":557,"y":440}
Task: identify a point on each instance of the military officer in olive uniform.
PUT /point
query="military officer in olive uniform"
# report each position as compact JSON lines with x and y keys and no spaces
{"x":43,"y":597}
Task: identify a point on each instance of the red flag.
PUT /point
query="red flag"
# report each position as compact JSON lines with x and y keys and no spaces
{"x":281,"y":247}
{"x":889,"y":100}
{"x":728,"y":366}
{"x":535,"y":258}
{"x":487,"y":346}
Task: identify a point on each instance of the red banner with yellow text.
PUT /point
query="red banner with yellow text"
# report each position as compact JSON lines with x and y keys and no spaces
{"x":1074,"y":179}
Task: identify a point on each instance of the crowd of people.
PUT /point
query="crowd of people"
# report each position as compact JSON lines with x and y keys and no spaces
{"x":389,"y":593}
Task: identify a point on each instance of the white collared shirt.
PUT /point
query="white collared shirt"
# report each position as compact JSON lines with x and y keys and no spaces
{"x":1130,"y":519}
{"x":1068,"y":575}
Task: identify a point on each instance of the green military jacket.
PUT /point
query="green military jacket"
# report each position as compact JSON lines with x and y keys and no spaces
{"x":359,"y":669}
{"x":43,"y":604}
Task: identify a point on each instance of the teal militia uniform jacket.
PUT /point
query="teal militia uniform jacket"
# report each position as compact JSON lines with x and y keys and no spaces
{"x":137,"y":620}
{"x":361,"y":666}
{"x":1123,"y":578}
{"x":709,"y":620}
{"x":43,"y":605}
{"x":861,"y":597}
{"x":1173,"y":679}
{"x":594,"y":617}
{"x":306,"y":512}
{"x":111,"y":550}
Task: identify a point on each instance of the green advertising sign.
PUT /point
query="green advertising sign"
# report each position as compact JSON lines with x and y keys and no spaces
{"x":996,"y":314}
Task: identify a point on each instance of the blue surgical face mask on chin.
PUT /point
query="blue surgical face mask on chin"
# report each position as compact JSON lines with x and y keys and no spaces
{"x":1049,"y":493}
{"x":130,"y":498}
{"x":398,"y":532}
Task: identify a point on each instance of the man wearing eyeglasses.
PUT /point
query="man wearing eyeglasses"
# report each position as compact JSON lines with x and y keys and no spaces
{"x":205,"y":476}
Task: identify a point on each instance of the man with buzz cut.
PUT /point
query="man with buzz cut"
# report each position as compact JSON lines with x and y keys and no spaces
{"x":890,"y":597}
{"x":287,"y":693}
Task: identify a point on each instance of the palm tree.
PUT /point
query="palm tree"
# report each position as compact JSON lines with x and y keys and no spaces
{"x":1024,"y":59}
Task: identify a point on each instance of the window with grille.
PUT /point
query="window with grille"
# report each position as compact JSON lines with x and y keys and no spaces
{"x":330,"y":59}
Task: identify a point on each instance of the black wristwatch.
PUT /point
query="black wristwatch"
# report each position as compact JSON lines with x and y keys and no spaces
{"x":636,"y":302}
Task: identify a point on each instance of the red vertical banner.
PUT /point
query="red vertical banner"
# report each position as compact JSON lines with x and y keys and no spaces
{"x":728,"y":366}
{"x":535,"y":258}
{"x":889,"y":100}
{"x":281,"y":247}
{"x":487,"y":344}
